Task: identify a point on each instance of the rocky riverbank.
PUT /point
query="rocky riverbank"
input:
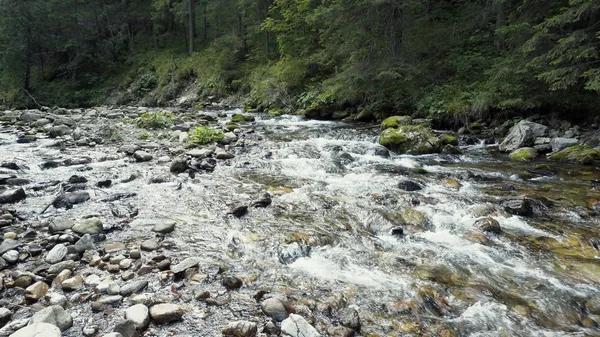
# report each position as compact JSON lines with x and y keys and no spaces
{"x":116,"y":223}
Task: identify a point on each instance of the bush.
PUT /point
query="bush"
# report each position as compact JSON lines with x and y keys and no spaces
{"x":144,"y":83}
{"x":158,"y":120}
{"x":203,"y":135}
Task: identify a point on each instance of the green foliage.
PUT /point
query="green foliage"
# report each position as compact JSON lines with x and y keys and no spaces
{"x":144,"y":136}
{"x":203,"y":135}
{"x":156,"y":120}
{"x":144,"y":83}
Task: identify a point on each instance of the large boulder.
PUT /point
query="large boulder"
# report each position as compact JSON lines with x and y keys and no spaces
{"x":395,"y":122}
{"x":297,"y":326}
{"x":38,"y":330}
{"x":410,"y":139}
{"x":579,"y":154}
{"x":523,"y":154}
{"x":55,"y":315}
{"x":559,"y":144}
{"x":523,"y":135}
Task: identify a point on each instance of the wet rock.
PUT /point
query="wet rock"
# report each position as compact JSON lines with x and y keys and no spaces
{"x":118,"y":196}
{"x":72,"y":284}
{"x":489,"y":225}
{"x":276,"y":309}
{"x":166,"y":312}
{"x":164,"y":227}
{"x":231,"y":282}
{"x":200,"y":153}
{"x":179,"y":165}
{"x":110,"y":299}
{"x":126,"y":328}
{"x":578,"y":154}
{"x":64,"y":265}
{"x":75,"y":179}
{"x":409,"y":186}
{"x":12,"y":256}
{"x":12,"y":197}
{"x":523,"y":154}
{"x":135,"y":254}
{"x":397,"y":231}
{"x":133,"y":287}
{"x":521,"y":206}
{"x":297,"y":326}
{"x":58,"y":299}
{"x":142,"y":156}
{"x":104,"y":183}
{"x":263,"y":201}
{"x":129,"y":149}
{"x":293,"y":251}
{"x":36,"y":291}
{"x":114,"y":247}
{"x":240,"y":329}
{"x":88,"y":226}
{"x":69,"y":199}
{"x":54,"y":315}
{"x":559,"y":144}
{"x":60,"y":225}
{"x":239,"y":211}
{"x":86,"y":242}
{"x":139,"y":315}
{"x":523,"y":135}
{"x":349,"y":318}
{"x":340,"y":331}
{"x":411,"y":139}
{"x":17,"y":182}
{"x":59,"y":131}
{"x":202,"y":295}
{"x":222,"y":154}
{"x":57,"y":254}
{"x":452,"y":184}
{"x":8,"y":244}
{"x":149,"y":245}
{"x":38,"y":330}
{"x":92,"y":280}
{"x":190,"y":262}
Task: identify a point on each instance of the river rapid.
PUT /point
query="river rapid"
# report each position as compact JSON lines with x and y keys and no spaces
{"x":342,"y":231}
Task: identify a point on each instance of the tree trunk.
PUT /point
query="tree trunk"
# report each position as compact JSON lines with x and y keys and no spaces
{"x":192,"y":26}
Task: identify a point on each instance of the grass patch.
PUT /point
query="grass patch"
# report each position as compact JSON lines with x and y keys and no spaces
{"x":157,"y":120}
{"x":203,"y":135}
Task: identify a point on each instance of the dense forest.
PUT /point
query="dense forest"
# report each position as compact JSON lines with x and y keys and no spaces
{"x":378,"y":57}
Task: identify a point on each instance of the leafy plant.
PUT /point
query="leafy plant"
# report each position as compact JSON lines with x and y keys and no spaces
{"x":203,"y":135}
{"x":144,"y":136}
{"x":157,"y":120}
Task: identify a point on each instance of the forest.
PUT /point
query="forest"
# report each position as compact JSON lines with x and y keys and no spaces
{"x":433,"y":58}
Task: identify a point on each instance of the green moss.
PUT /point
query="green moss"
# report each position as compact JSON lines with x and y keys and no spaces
{"x":447,"y":138}
{"x":366,"y":115}
{"x":275,"y":112}
{"x":475,"y":126}
{"x":411,"y":139}
{"x":392,"y":138}
{"x":579,"y":154}
{"x":238,"y":118}
{"x":523,"y":154}
{"x":395,"y":121}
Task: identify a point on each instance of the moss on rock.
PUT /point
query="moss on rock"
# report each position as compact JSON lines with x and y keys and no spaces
{"x":523,"y":154}
{"x":410,"y":139}
{"x":237,"y":118}
{"x":579,"y":154}
{"x":395,"y":122}
{"x":448,"y":139}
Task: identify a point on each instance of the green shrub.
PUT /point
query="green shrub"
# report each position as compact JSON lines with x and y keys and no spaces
{"x":203,"y":135}
{"x":144,"y":136}
{"x":144,"y":83}
{"x":157,"y":120}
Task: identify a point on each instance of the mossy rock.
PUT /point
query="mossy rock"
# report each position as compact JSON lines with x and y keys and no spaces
{"x":448,"y":139}
{"x":451,"y":149}
{"x":365,"y":115}
{"x":579,"y":154}
{"x":410,"y":139}
{"x":275,"y":112}
{"x":239,"y":118}
{"x":523,"y":154}
{"x":395,"y":122}
{"x":476,"y":126}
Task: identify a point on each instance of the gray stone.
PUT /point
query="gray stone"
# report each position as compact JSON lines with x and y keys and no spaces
{"x":71,"y":198}
{"x":164,"y":227}
{"x":73,"y":283}
{"x":58,"y":299}
{"x":349,"y":318}
{"x":133,"y":287}
{"x":222,"y":154}
{"x":60,"y":225}
{"x":166,"y":312}
{"x":36,"y":291}
{"x":240,"y":329}
{"x":275,"y":309}
{"x":59,"y":131}
{"x":113,"y":334}
{"x":142,"y":156}
{"x":8,"y":244}
{"x":13,"y":196}
{"x":190,"y":262}
{"x":523,"y":134}
{"x":113,"y":288}
{"x":54,"y":315}
{"x":56,"y":254}
{"x":5,"y":316}
{"x":149,"y":245}
{"x":64,"y":265}
{"x":110,"y":299}
{"x":138,"y":314}
{"x":29,"y":117}
{"x":38,"y":330}
{"x":179,"y":165}
{"x":200,"y":153}
{"x":88,"y":226}
{"x":12,"y":256}
{"x":559,"y":144}
{"x":126,"y":328}
{"x":297,"y":326}
{"x":129,"y":149}
{"x":85,"y":243}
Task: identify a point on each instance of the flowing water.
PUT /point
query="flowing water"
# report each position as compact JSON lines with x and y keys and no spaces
{"x":326,"y":241}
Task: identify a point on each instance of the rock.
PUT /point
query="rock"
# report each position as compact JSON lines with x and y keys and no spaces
{"x":593,"y":305}
{"x":222,"y":154}
{"x":521,"y":206}
{"x":104,"y":183}
{"x":202,"y":295}
{"x":142,"y":156}
{"x":489,"y":225}
{"x":126,"y":328}
{"x":559,"y":144}
{"x":60,"y":225}
{"x":231,"y":282}
{"x":340,"y":331}
{"x":72,"y":284}
{"x":164,"y":227}
{"x":129,"y":149}
{"x":92,"y":280}
{"x":57,"y":254}
{"x":523,"y":154}
{"x":64,"y":265}
{"x":240,"y":329}
{"x":58,"y":299}
{"x":179,"y":165}
{"x":409,"y":186}
{"x":448,"y":139}
{"x":114,"y":247}
{"x":59,"y":131}
{"x":190,"y":262}
{"x":38,"y":330}
{"x":12,"y":197}
{"x":8,"y":244}
{"x":113,"y":334}
{"x":75,"y":179}
{"x":166,"y":312}
{"x":5,"y":316}
{"x":276,"y":309}
{"x":523,"y":135}
{"x":113,"y":288}
{"x":36,"y":291}
{"x":86,"y":242}
{"x":451,"y":149}
{"x":69,"y":199}
{"x":349,"y":318}
{"x":12,"y":256}
{"x":136,"y":254}
{"x":54,"y":315}
{"x":133,"y":287}
{"x":125,"y":263}
{"x":452,"y":184}
{"x":297,"y":326}
{"x":410,"y":139}
{"x":293,"y":251}
{"x":579,"y":154}
{"x":88,"y":226}
{"x":263,"y":201}
{"x":239,"y":211}
{"x":395,"y":122}
{"x":139,"y":315}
